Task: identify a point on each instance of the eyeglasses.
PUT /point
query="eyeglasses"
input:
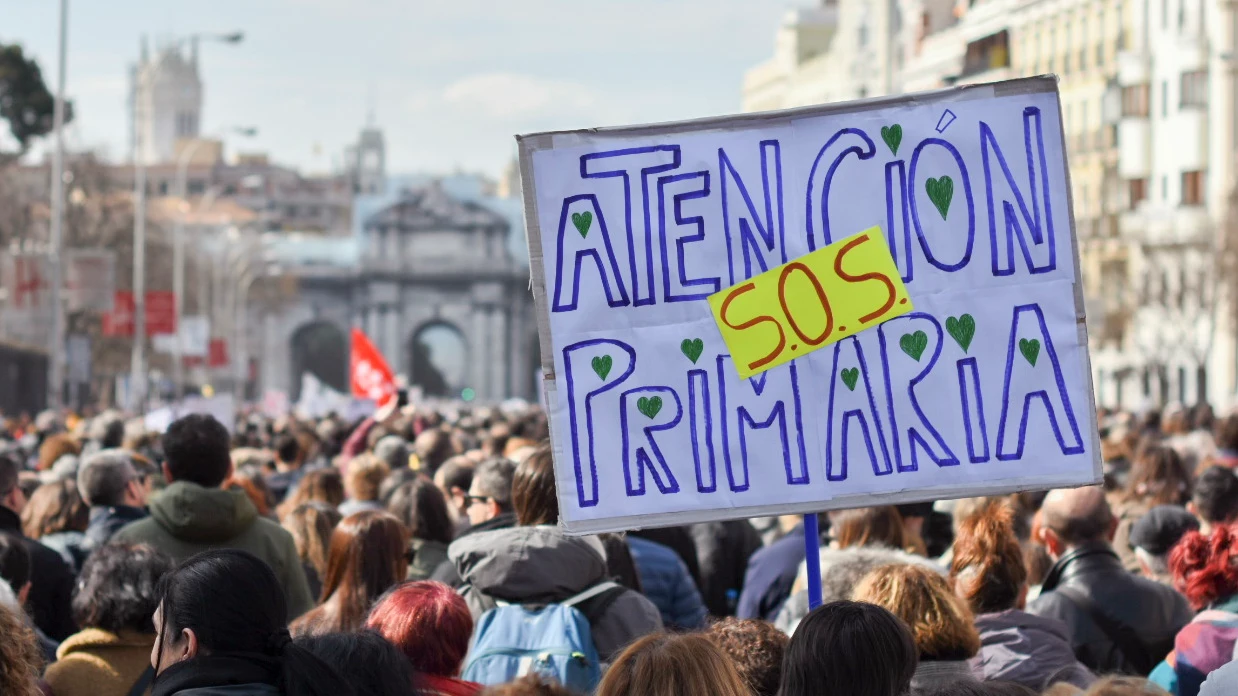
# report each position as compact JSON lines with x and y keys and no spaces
{"x":472,"y":500}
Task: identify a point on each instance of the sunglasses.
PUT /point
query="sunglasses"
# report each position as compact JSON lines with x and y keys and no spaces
{"x":472,"y":500}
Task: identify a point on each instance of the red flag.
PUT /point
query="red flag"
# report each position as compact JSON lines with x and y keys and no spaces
{"x":369,"y":373}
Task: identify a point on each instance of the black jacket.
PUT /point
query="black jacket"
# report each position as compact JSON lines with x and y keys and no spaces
{"x":106,"y":520}
{"x":1151,"y":613}
{"x":723,"y":549}
{"x":51,"y":583}
{"x":221,"y":675}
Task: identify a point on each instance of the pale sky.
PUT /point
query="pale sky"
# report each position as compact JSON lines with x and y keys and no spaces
{"x":452,"y":80}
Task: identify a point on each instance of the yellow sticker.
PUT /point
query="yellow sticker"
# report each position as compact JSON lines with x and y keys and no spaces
{"x":811,"y":302}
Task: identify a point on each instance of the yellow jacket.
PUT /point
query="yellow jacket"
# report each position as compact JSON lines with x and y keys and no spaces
{"x":94,"y":662}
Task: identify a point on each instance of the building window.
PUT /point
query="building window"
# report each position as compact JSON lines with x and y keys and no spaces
{"x":1193,"y":88}
{"x":1135,"y":101}
{"x":1193,"y":188}
{"x":1164,"y":98}
{"x":1138,"y":191}
{"x":1164,"y":188}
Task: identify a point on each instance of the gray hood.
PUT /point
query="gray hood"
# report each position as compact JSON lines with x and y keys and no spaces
{"x":529,"y":564}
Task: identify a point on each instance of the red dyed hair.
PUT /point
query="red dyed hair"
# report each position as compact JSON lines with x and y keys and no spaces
{"x":1204,"y":567}
{"x":429,"y":622}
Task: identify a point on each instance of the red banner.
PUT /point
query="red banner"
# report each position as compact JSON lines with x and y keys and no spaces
{"x":369,"y":373}
{"x":217,"y":355}
{"x":160,"y":314}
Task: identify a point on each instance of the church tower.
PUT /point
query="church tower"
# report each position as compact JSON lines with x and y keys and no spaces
{"x":167,"y":100}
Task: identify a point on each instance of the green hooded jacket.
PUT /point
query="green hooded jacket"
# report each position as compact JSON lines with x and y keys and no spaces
{"x":186,"y":519}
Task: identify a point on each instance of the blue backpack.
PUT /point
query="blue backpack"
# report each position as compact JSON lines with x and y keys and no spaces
{"x":555,"y":641}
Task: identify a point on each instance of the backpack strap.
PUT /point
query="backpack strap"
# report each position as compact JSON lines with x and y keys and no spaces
{"x":590,"y":593}
{"x":1123,"y":637}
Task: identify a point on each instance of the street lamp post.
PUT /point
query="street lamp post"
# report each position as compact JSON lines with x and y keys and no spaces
{"x":241,"y":314}
{"x":55,"y":361}
{"x":137,"y":377}
{"x":178,"y":259}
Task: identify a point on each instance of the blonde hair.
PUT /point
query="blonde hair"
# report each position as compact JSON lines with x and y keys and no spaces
{"x":1125,"y":686}
{"x":365,"y":476}
{"x":20,"y":657}
{"x":664,"y":664}
{"x":941,"y":624}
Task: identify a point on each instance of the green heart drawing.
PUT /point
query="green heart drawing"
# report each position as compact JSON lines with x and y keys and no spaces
{"x":893,"y":135}
{"x":940,"y":191}
{"x":962,"y":329}
{"x":602,"y":365}
{"x":583,"y":221}
{"x":1030,"y":349}
{"x":649,"y":405}
{"x":914,"y":344}
{"x":850,"y":377}
{"x":692,"y":348}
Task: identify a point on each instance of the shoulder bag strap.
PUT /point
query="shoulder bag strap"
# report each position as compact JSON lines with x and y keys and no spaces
{"x":1124,"y":637}
{"x":143,"y":682}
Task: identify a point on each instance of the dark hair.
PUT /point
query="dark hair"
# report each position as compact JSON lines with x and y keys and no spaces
{"x":116,"y":589}
{"x":287,"y":448}
{"x":1227,"y":433}
{"x":10,"y":472}
{"x":397,"y":478}
{"x":859,"y":649}
{"x":367,"y":557}
{"x":196,"y":449}
{"x":456,"y":472}
{"x":534,"y":496}
{"x":1202,"y":417}
{"x":1158,"y":477}
{"x":366,"y":660}
{"x":871,"y":526}
{"x":979,"y":688}
{"x":55,"y":507}
{"x":420,"y":505}
{"x":233,"y":602}
{"x":14,"y":561}
{"x":493,"y":478}
{"x":104,"y":476}
{"x":1216,"y":495}
{"x":756,"y":648}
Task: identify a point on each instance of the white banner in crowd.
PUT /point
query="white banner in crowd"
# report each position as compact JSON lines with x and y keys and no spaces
{"x":896,"y":280}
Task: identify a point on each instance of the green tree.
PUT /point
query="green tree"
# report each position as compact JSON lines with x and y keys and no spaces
{"x":25,"y":101}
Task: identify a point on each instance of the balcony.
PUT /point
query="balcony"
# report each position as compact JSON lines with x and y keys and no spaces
{"x":1134,"y":67}
{"x":1134,"y":148}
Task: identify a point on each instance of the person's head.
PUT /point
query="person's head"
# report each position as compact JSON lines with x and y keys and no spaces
{"x":433,"y":447}
{"x":859,"y":649}
{"x":490,"y":493}
{"x":108,"y":430}
{"x":369,"y":663}
{"x":196,"y":449}
{"x":1205,"y":568}
{"x":365,"y":477}
{"x":365,"y":559}
{"x":1158,"y":477}
{"x":874,"y":526}
{"x":108,"y":478}
{"x":429,"y":622}
{"x":534,"y":496}
{"x":454,"y":478}
{"x":320,"y":485}
{"x":254,"y":486}
{"x":665,"y":664}
{"x":1214,"y":499}
{"x":11,"y":494}
{"x":311,"y":525}
{"x":756,"y":649}
{"x":116,"y":590}
{"x":15,"y":566}
{"x":1227,"y":433}
{"x":54,"y":507}
{"x":419,"y":504}
{"x":393,"y":451}
{"x":1202,"y":417}
{"x":979,"y":688}
{"x":21,"y":658}
{"x":529,"y":685}
{"x":288,"y":450}
{"x":942,"y":625}
{"x":1074,"y":517}
{"x":1125,"y":686}
{"x":1155,"y":534}
{"x":228,"y":601}
{"x":987,"y":570}
{"x":55,"y":447}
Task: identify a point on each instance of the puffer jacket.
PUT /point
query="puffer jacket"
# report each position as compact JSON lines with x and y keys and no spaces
{"x":542,"y":565}
{"x":186,"y":519}
{"x":666,"y":582}
{"x":1149,"y":611}
{"x":1202,"y":647}
{"x":841,"y":571}
{"x":1019,"y":647}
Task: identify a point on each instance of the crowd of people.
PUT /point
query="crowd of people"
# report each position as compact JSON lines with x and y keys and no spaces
{"x":418,"y":552}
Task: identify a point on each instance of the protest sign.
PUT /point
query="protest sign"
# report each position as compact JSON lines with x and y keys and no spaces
{"x":978,"y":384}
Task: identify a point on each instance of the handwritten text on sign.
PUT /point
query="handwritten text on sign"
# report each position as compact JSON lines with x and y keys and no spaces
{"x":798,"y":307}
{"x":680,"y":268}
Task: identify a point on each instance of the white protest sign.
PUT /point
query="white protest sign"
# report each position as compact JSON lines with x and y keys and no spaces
{"x":960,"y":200}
